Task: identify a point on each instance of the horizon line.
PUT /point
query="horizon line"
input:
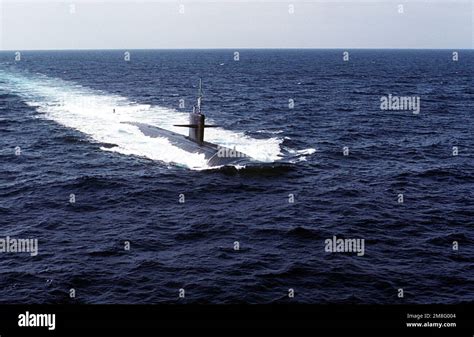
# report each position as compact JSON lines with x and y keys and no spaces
{"x":232,"y":48}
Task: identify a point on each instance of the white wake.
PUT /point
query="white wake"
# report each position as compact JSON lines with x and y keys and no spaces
{"x":91,"y":112}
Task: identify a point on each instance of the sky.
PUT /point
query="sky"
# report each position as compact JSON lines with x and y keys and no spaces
{"x":157,"y":24}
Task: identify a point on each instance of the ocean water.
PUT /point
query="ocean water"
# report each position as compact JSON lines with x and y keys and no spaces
{"x":56,"y":108}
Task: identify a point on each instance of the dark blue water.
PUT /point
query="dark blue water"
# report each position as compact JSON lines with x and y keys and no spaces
{"x":55,"y":107}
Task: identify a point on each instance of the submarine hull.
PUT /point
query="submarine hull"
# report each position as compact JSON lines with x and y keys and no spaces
{"x":215,"y":155}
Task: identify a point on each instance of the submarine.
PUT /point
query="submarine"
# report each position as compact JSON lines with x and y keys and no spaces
{"x":215,"y":155}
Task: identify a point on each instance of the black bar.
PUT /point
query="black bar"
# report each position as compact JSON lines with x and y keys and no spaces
{"x":238,"y":320}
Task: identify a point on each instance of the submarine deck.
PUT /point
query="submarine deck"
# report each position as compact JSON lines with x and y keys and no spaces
{"x":215,"y":155}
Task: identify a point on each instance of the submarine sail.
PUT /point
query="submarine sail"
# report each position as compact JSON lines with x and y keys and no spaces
{"x":215,"y":155}
{"x":197,"y":121}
